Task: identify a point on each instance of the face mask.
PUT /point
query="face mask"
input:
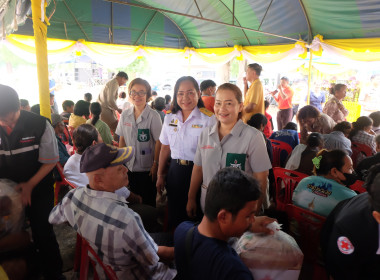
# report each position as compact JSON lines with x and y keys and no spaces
{"x":350,"y":179}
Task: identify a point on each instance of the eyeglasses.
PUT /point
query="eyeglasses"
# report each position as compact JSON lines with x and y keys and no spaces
{"x":139,"y":93}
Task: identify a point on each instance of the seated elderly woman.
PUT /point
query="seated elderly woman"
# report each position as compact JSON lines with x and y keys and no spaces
{"x":311,"y":120}
{"x":321,"y":193}
{"x":301,"y":157}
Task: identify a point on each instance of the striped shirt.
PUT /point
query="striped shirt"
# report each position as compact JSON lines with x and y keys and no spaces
{"x":114,"y":231}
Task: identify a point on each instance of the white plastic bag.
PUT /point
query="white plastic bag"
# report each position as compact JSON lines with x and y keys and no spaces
{"x":11,"y":209}
{"x":272,"y":257}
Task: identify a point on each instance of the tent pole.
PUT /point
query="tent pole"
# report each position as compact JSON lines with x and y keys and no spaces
{"x":111,"y":23}
{"x":203,"y":19}
{"x":146,"y":27}
{"x":310,"y":31}
{"x":309,"y":77}
{"x":199,"y":10}
{"x":235,"y":19}
{"x":40,"y":38}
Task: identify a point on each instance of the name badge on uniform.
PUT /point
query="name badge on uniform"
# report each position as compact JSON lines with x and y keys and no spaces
{"x":143,"y":135}
{"x":236,"y":160}
{"x":173,"y":122}
{"x":197,"y":126}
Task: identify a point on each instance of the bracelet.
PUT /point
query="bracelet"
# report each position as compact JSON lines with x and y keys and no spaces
{"x":158,"y":175}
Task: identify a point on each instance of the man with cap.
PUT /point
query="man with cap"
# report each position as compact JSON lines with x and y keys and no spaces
{"x":105,"y":220}
{"x":59,"y":127}
{"x":350,"y":238}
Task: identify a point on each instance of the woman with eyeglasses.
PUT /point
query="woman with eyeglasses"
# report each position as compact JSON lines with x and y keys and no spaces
{"x":179,"y":139}
{"x":140,"y":127}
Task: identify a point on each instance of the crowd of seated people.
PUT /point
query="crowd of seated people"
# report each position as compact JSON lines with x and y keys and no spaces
{"x":193,"y":153}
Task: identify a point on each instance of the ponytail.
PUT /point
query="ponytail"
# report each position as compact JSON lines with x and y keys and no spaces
{"x":95,"y":110}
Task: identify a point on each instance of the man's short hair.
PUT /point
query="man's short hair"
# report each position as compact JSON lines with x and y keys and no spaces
{"x":159,"y":103}
{"x":285,"y":79}
{"x":372,"y":184}
{"x":257,"y":120}
{"x":266,"y":104}
{"x":375,"y":116}
{"x":343,"y":127}
{"x":257,"y":67}
{"x":82,"y":108}
{"x":291,"y":126}
{"x":88,"y":97}
{"x":36,"y":109}
{"x":9,"y":102}
{"x":206,"y":84}
{"x":67,"y":104}
{"x":122,"y":74}
{"x":24,"y":102}
{"x":230,"y":189}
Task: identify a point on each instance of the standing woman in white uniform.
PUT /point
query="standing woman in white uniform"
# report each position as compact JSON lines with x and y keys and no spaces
{"x":140,"y":127}
{"x":230,"y":142}
{"x":179,"y":139}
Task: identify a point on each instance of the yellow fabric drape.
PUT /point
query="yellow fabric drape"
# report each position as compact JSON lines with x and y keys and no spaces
{"x":269,"y":54}
{"x":27,"y":43}
{"x":40,"y":37}
{"x":365,"y":49}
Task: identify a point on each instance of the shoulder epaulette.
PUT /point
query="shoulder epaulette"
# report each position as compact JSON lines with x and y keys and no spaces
{"x":206,"y":112}
{"x":168,"y":112}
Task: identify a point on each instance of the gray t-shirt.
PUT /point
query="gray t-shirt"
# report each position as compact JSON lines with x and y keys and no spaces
{"x":244,"y":148}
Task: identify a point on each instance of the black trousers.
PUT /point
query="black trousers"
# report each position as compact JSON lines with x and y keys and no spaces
{"x":177,"y":187}
{"x":141,"y":183}
{"x":42,"y":231}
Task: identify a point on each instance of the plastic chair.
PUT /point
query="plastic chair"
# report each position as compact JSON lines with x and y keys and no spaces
{"x":305,"y":226}
{"x":285,"y":181}
{"x":279,"y":149}
{"x":359,"y":151}
{"x":358,"y":187}
{"x":69,"y":183}
{"x":86,"y":252}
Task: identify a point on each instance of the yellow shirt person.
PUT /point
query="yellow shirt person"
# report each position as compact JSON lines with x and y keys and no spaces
{"x":254,"y":96}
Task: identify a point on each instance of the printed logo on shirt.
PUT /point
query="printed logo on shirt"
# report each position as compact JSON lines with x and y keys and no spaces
{"x":197,"y":126}
{"x":27,"y":139}
{"x":207,"y":147}
{"x":128,"y":124}
{"x":236,"y":160}
{"x":143,"y":135}
{"x":325,"y":189}
{"x":345,"y":246}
